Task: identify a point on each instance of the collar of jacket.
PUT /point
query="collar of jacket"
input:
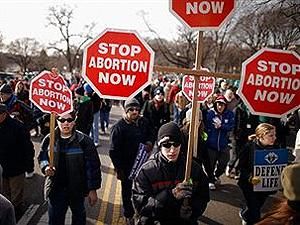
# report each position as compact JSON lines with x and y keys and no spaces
{"x":130,"y":121}
{"x":164,"y":160}
{"x":257,"y":143}
{"x":57,"y":134}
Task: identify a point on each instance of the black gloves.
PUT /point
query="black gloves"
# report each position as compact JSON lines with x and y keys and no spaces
{"x":185,"y":212}
{"x":120,"y":174}
{"x":182,"y":190}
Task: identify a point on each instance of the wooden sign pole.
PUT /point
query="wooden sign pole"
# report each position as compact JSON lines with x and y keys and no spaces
{"x":195,"y":148}
{"x":188,"y":166}
{"x":52,"y":139}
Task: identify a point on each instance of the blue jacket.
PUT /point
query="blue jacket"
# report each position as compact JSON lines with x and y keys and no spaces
{"x":218,"y":138}
{"x":77,"y":165}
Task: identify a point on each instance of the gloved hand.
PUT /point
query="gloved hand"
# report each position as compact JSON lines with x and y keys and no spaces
{"x":49,"y":171}
{"x":182,"y":190}
{"x":185,"y":212}
{"x":254,"y":180}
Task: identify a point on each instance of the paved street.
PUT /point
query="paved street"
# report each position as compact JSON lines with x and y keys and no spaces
{"x":222,"y":209}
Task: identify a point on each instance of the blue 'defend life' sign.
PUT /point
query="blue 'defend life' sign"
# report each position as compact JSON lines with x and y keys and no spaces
{"x":268,"y":165}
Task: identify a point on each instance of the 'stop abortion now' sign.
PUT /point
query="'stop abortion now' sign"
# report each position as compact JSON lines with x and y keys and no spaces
{"x":270,"y":82}
{"x":49,"y":92}
{"x":118,"y":64}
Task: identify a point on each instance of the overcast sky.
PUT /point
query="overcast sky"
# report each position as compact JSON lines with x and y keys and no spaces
{"x":27,"y":18}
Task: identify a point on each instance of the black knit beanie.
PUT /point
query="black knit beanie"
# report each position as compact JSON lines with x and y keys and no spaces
{"x":169,"y":132}
{"x":131,"y":103}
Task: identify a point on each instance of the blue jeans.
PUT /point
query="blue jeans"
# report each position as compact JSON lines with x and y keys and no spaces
{"x":58,"y":205}
{"x":104,"y":120}
{"x":95,"y":129}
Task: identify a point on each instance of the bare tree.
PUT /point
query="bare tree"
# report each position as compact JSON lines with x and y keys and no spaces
{"x":1,"y":41}
{"x":220,"y":43}
{"x":70,"y":43}
{"x":1,"y":55}
{"x":22,"y":51}
{"x":252,"y":32}
{"x":288,"y":8}
{"x":180,"y":51}
{"x":284,"y":32}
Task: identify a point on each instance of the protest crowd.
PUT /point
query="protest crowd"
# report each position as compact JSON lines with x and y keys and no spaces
{"x":154,"y":129}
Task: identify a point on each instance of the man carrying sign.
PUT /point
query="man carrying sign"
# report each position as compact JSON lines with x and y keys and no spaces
{"x":160,"y":194}
{"x":75,"y":173}
{"x":252,"y":175}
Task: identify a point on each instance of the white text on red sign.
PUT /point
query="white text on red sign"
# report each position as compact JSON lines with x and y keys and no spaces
{"x":276,"y":80}
{"x":52,"y":94}
{"x":205,"y":7}
{"x":127,"y":66}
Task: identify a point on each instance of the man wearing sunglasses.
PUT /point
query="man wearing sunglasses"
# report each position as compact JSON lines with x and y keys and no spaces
{"x":75,"y":174}
{"x":126,"y":137}
{"x":159,"y":194}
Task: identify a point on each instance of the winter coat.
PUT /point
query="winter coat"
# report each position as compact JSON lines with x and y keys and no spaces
{"x":7,"y":212}
{"x":76,"y":162}
{"x":218,"y":138}
{"x":16,"y":148}
{"x":125,"y":138}
{"x":156,"y":117}
{"x":84,"y":115}
{"x":245,"y":166}
{"x":152,"y":191}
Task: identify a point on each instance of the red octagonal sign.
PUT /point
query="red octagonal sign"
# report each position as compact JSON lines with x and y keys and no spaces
{"x":270,"y":82}
{"x":202,"y":14}
{"x":118,"y":64}
{"x":49,"y":92}
{"x":206,"y":87}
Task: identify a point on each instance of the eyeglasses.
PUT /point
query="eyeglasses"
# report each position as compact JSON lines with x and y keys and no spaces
{"x":134,"y":109}
{"x":62,"y":120}
{"x":169,"y":144}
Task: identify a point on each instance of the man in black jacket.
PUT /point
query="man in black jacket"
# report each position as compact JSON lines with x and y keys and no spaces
{"x":159,"y":194}
{"x":16,"y":157}
{"x":126,"y":136}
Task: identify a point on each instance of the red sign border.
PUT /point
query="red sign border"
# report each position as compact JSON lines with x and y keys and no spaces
{"x":151,"y":63}
{"x":201,"y":28}
{"x":242,"y":80}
